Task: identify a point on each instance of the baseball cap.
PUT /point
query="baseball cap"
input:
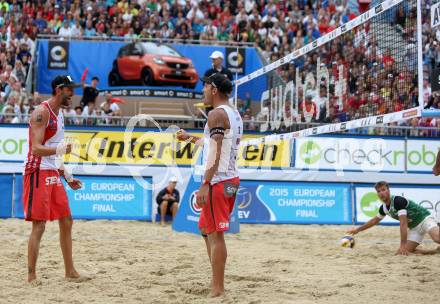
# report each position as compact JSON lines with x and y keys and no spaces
{"x":64,"y":81}
{"x":173,"y":179}
{"x":219,"y":81}
{"x":216,"y":54}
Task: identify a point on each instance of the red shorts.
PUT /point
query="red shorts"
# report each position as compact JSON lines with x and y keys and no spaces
{"x":217,"y":210}
{"x":44,"y":197}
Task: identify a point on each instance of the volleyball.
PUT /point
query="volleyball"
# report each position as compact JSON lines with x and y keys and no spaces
{"x":348,"y":241}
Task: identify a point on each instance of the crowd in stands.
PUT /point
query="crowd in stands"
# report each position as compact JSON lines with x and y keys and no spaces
{"x":377,"y":81}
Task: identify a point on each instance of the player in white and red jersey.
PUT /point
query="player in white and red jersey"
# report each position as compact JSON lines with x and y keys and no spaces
{"x":217,"y":194}
{"x":44,"y":196}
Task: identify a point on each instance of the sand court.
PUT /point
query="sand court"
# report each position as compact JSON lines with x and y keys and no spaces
{"x":139,"y":262}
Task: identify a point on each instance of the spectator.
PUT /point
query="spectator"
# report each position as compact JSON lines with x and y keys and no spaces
{"x":217,"y":67}
{"x":309,"y":109}
{"x":69,"y":115}
{"x":89,"y":113}
{"x":90,"y":92}
{"x":65,"y":31}
{"x":78,"y":113}
{"x":168,"y":200}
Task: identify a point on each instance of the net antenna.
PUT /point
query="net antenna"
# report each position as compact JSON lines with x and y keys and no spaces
{"x":433,"y":72}
{"x":365,"y":72}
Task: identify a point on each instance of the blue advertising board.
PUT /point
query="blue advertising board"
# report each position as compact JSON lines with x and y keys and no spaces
{"x":101,"y":197}
{"x":295,"y":203}
{"x":105,"y":197}
{"x":18,"y":194}
{"x":6,"y":181}
{"x":101,"y":59}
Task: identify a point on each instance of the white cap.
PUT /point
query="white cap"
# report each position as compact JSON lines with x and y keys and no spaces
{"x":173,"y":179}
{"x":89,"y":8}
{"x":216,"y":54}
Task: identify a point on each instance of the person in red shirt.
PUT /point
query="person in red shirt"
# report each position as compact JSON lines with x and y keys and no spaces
{"x":44,"y":197}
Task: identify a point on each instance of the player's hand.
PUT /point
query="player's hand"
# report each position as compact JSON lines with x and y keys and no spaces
{"x":402,"y":251}
{"x":352,"y":231}
{"x":75,"y":184}
{"x":202,"y":195}
{"x":436,"y":170}
{"x":63,"y":148}
{"x":182,"y":135}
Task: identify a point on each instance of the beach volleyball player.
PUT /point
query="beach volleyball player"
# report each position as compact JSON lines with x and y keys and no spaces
{"x":415,"y":221}
{"x":217,"y":194}
{"x":44,"y":196}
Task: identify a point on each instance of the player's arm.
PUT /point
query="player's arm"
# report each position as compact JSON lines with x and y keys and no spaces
{"x":403,"y":234}
{"x":217,"y":127}
{"x":373,"y":222}
{"x":182,"y":135}
{"x":400,"y":203}
{"x":73,"y":183}
{"x":38,"y":122}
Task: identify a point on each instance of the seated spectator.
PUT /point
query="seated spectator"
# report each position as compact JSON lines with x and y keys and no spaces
{"x":89,"y":113}
{"x":69,"y":115}
{"x":78,"y":113}
{"x":168,"y":200}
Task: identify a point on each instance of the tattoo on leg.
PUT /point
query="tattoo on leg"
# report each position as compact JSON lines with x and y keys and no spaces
{"x":30,"y":270}
{"x":39,"y":118}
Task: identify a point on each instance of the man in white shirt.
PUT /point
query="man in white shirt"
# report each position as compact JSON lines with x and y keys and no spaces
{"x":65,"y":31}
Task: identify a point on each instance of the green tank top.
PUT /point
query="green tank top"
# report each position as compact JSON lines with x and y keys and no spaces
{"x":415,"y":213}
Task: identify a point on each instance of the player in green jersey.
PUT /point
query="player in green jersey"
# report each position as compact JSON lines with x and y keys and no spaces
{"x":415,"y":221}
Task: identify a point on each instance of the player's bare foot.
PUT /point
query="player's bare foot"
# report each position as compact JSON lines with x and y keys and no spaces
{"x":31,"y":277}
{"x":72,"y":275}
{"x":162,"y":224}
{"x":216,"y":293}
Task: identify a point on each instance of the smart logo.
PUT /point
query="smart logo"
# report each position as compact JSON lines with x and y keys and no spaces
{"x":310,"y":152}
{"x":193,"y":204}
{"x":370,"y":204}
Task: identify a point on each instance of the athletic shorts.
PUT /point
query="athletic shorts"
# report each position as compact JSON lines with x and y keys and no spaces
{"x":217,"y":210}
{"x":418,"y":232}
{"x":44,"y":196}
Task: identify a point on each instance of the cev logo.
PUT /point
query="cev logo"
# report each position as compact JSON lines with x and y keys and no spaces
{"x":370,"y":204}
{"x":193,"y":204}
{"x":244,"y":198}
{"x":310,"y":152}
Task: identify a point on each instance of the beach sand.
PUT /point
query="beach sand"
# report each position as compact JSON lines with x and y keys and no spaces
{"x":139,"y":262}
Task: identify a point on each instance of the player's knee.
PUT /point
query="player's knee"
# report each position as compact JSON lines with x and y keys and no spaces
{"x":164,"y":204}
{"x":411,"y":248}
{"x":38,"y":227}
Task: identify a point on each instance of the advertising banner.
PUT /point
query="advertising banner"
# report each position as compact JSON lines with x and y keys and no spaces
{"x":6,"y":195}
{"x":373,"y":154}
{"x":368,"y":203}
{"x":421,"y":154}
{"x":140,"y":68}
{"x":295,"y":203}
{"x":13,"y":144}
{"x":109,"y":197}
{"x":139,"y":148}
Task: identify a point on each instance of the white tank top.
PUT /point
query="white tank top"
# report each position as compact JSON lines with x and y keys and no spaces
{"x":228,"y":167}
{"x":53,"y":162}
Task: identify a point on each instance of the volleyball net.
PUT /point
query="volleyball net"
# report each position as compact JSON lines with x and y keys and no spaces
{"x":366,"y":72}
